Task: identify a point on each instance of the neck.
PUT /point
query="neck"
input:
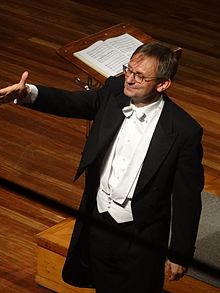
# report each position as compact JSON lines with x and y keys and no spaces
{"x":149,"y":100}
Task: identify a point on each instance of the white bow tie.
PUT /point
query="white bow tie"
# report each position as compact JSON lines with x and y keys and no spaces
{"x":129,"y":110}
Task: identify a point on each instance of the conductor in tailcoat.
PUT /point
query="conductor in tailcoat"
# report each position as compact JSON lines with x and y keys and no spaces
{"x":141,"y":203}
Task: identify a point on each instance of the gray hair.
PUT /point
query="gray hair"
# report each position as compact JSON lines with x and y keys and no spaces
{"x":167,"y":59}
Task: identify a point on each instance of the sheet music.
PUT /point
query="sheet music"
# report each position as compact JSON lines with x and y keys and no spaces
{"x":108,"y":56}
{"x":124,"y":43}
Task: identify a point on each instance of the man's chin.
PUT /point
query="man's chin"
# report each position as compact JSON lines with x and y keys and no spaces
{"x":129,"y":92}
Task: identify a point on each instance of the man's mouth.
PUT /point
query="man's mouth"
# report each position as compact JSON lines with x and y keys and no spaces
{"x":130,"y":86}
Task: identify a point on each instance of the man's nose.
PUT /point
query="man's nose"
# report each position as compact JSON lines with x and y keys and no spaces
{"x":131,"y":77}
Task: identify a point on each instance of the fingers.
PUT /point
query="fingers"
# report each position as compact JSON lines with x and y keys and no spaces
{"x":174,"y":271}
{"x":23,"y":78}
{"x":6,"y":94}
{"x":16,"y":91}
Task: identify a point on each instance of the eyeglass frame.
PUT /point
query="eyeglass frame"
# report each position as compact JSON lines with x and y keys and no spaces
{"x":136,"y":74}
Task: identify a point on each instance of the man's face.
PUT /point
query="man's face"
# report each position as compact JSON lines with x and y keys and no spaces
{"x":146,"y":92}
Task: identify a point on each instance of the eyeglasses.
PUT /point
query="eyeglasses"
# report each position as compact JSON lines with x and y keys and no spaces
{"x":138,"y":77}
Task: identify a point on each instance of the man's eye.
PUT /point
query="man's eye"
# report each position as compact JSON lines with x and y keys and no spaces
{"x":139,"y":76}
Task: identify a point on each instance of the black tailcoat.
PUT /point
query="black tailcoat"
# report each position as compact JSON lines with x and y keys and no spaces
{"x":170,"y":183}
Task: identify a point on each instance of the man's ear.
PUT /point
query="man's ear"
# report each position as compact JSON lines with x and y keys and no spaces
{"x":162,"y":86}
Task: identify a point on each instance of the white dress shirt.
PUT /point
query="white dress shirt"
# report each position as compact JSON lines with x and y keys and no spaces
{"x":123,"y":163}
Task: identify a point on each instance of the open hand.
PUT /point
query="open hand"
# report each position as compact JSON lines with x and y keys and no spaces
{"x":15,"y":92}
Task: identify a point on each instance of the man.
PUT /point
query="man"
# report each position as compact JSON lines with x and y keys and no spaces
{"x":142,"y":200}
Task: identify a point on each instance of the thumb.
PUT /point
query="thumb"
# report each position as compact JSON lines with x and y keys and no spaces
{"x":167,"y":267}
{"x":23,"y":78}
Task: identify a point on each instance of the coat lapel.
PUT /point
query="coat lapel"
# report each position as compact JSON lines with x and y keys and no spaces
{"x":161,"y":143}
{"x":112,"y":120}
{"x":104,"y":130}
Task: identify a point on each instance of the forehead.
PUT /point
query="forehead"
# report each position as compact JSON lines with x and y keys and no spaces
{"x":143,"y":64}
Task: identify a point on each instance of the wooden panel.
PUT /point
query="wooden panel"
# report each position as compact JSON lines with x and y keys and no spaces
{"x":49,"y":268}
{"x":57,"y":238}
{"x":21,"y":218}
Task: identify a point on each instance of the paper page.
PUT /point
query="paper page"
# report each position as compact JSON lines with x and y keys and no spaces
{"x":125,"y":43}
{"x":107,"y":57}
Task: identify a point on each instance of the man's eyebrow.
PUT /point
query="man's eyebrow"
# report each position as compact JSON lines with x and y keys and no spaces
{"x":136,"y":72}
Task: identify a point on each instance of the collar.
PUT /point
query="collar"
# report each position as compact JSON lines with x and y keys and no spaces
{"x":143,"y":113}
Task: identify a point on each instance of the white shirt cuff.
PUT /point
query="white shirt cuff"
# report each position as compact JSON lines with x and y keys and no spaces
{"x":31,"y":97}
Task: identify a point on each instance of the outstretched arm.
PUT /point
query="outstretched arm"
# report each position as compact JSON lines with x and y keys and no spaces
{"x":15,"y":92}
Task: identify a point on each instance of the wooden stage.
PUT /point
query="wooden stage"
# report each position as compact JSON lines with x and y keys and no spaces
{"x":39,"y":153}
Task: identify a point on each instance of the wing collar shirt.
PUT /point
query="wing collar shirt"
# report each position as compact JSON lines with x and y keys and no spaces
{"x":124,"y":160}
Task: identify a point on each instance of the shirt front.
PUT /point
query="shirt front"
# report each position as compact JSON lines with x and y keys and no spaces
{"x":123,"y":163}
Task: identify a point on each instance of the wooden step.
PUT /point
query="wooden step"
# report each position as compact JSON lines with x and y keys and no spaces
{"x":52,"y":249}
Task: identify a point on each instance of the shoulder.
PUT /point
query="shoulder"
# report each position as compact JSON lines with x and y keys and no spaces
{"x":115,"y":84}
{"x":112,"y":90}
{"x":182,"y":119}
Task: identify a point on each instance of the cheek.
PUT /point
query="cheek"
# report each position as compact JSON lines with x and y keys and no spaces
{"x":146,"y":91}
{"x":150,"y":90}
